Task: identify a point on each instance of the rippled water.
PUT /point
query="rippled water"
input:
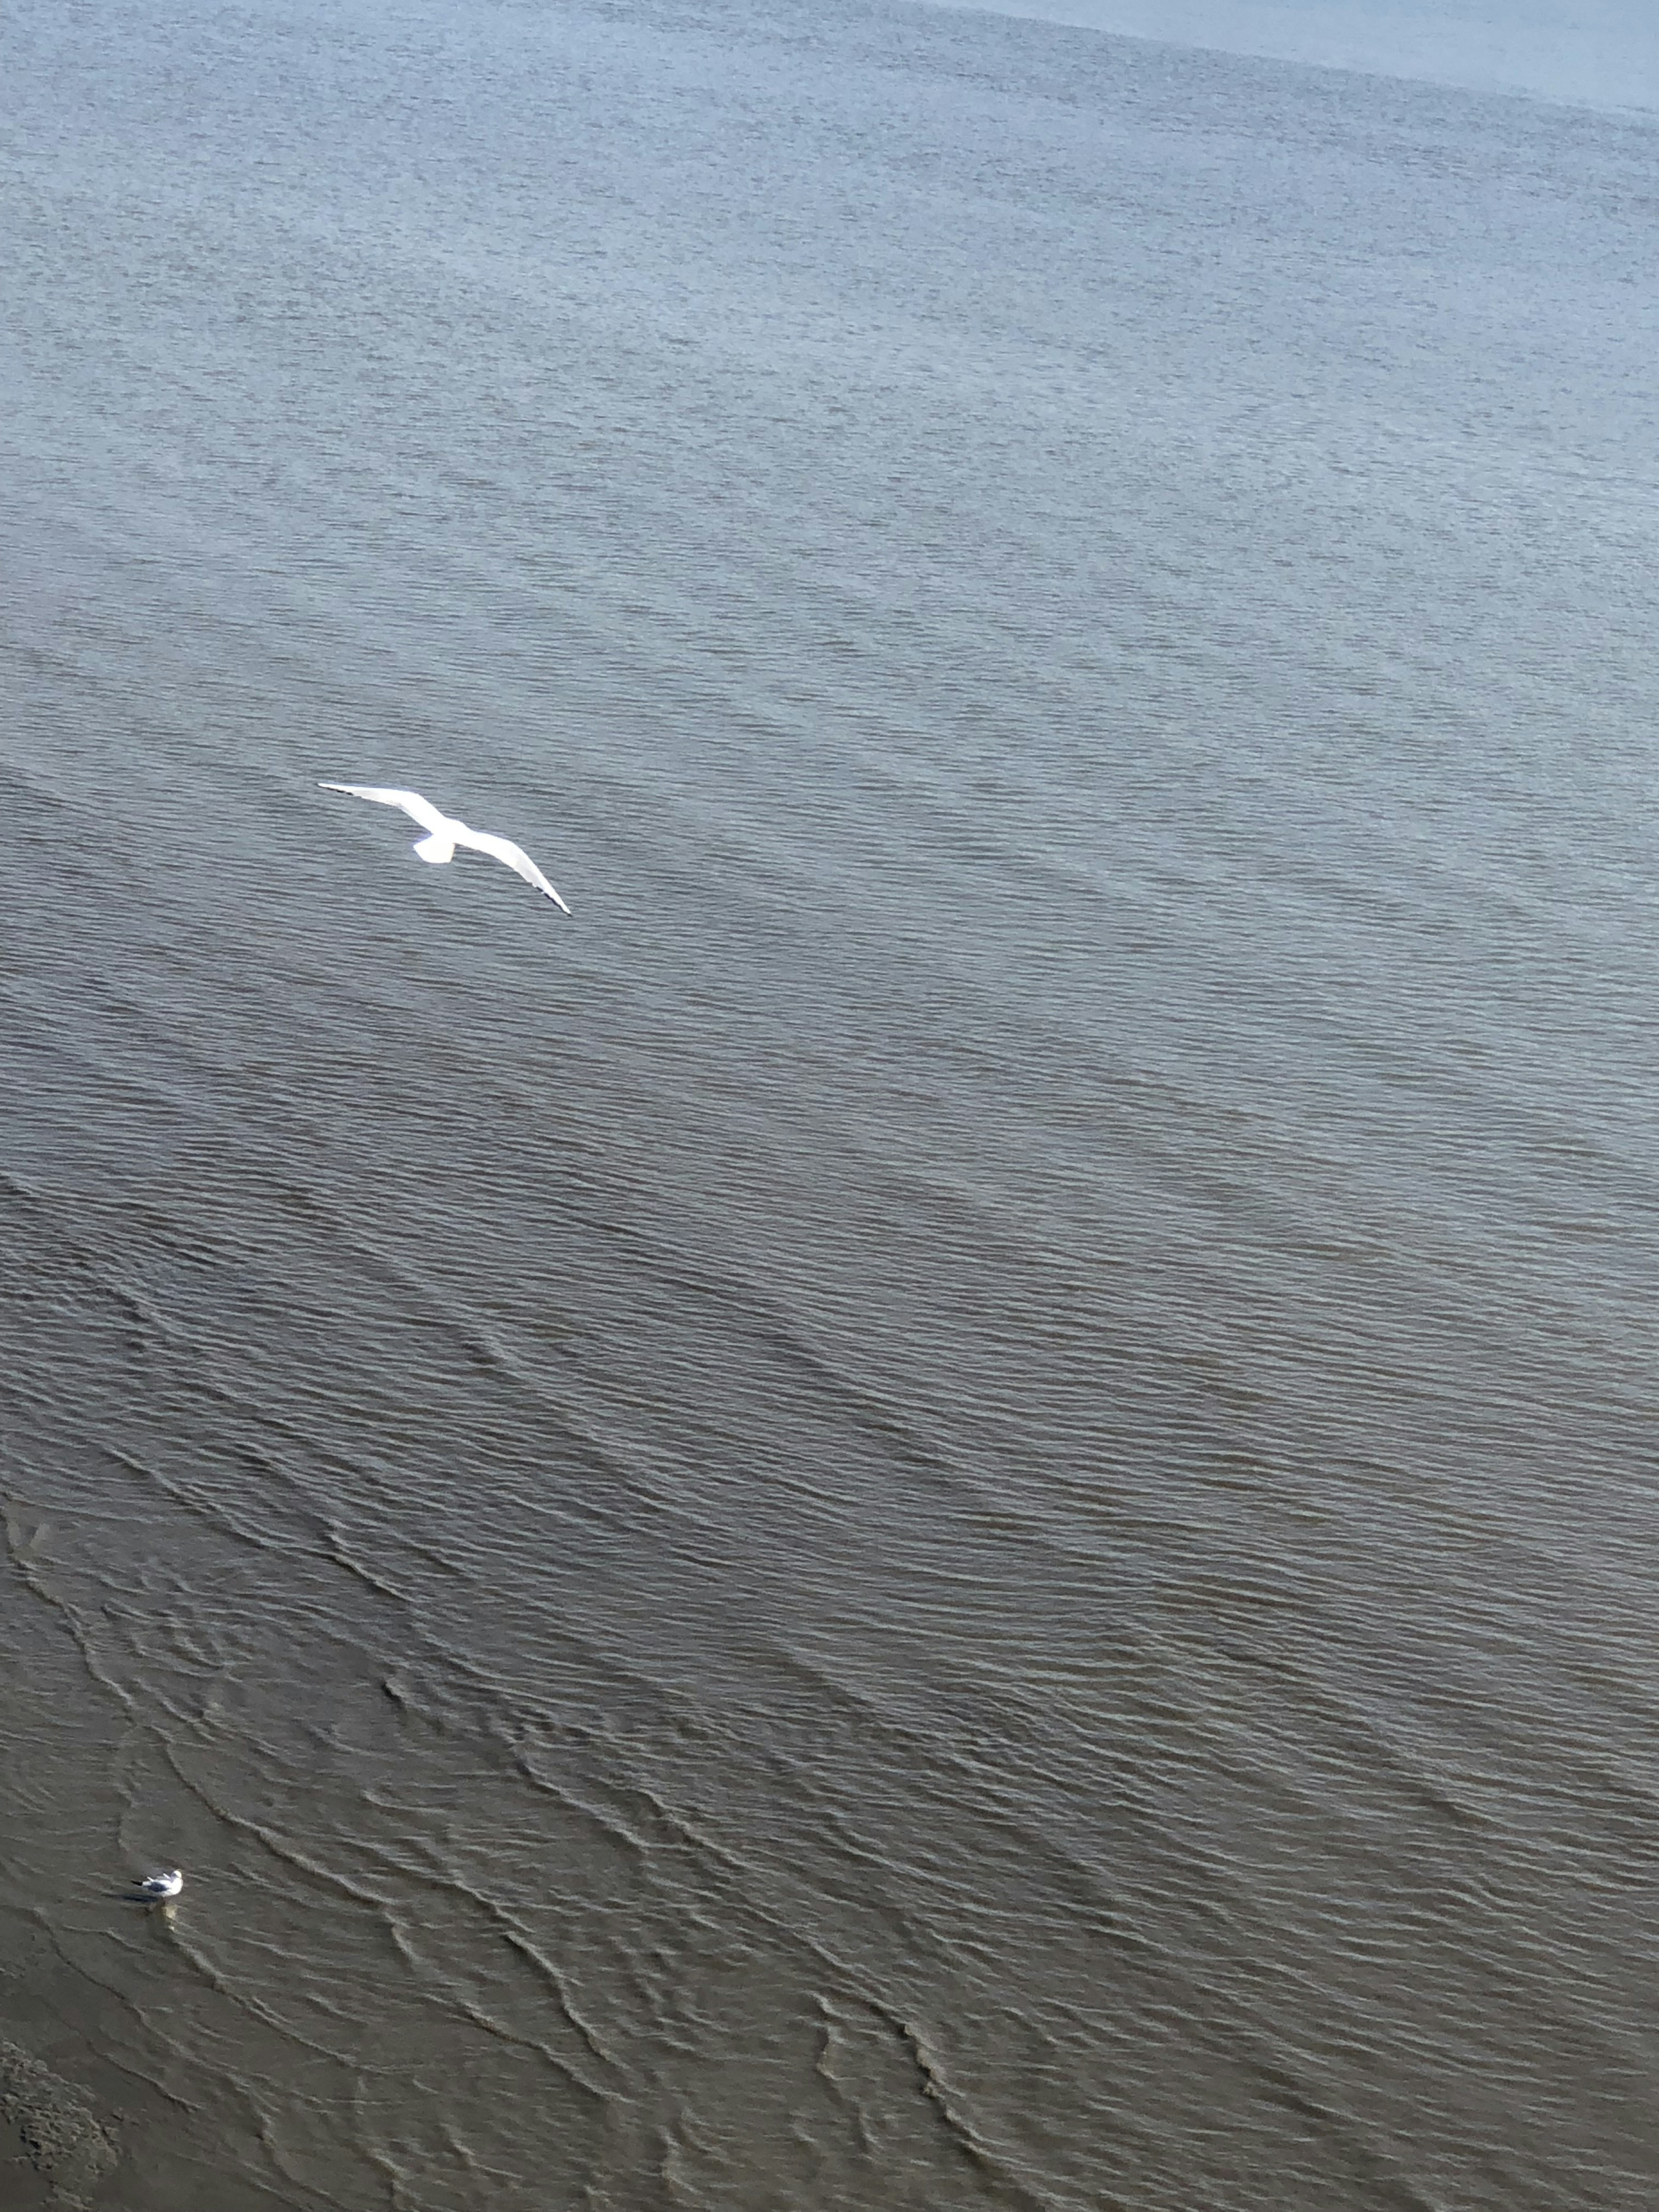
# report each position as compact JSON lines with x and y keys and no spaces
{"x":953,"y":1505}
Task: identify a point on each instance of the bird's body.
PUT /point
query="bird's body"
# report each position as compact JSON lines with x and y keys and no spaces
{"x":444,"y":833}
{"x":161,"y":1885}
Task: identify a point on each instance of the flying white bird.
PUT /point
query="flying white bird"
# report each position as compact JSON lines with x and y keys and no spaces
{"x":161,"y":1885}
{"x":444,"y":834}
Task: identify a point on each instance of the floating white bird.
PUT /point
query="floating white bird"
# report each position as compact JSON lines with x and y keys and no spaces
{"x":161,"y":1885}
{"x":444,"y":834}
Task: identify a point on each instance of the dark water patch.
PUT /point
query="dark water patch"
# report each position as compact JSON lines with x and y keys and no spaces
{"x":63,"y":2138}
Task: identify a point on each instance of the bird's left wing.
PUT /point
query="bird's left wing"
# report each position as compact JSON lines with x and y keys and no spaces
{"x":503,"y":848}
{"x":418,"y":809}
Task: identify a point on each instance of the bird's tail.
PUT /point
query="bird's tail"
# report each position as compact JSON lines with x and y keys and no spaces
{"x":437,"y":848}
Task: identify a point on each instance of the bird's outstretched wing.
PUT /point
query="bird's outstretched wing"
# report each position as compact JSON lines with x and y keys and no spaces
{"x":421,"y":809}
{"x":503,"y":848}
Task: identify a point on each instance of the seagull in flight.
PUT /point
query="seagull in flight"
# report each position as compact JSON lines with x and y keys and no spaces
{"x":445,"y":833}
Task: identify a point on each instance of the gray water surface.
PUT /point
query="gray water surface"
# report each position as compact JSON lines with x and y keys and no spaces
{"x":953,"y":1506}
{"x":1601,"y":53}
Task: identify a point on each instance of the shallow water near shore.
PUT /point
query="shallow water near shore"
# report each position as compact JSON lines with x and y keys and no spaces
{"x":952,"y":1505}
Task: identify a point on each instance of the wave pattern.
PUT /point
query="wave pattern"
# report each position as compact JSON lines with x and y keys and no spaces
{"x":953,"y":1507}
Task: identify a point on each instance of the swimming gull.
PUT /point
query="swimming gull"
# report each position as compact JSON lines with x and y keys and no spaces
{"x":445,"y":833}
{"x":161,"y":1885}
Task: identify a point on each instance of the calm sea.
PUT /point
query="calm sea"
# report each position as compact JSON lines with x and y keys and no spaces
{"x":953,"y":1505}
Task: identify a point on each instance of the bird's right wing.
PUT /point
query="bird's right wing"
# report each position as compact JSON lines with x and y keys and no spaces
{"x":503,"y":848}
{"x":421,"y":809}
